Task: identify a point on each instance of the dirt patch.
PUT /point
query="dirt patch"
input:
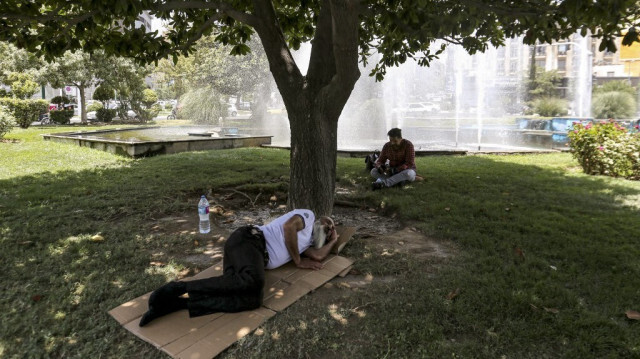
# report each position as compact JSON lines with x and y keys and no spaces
{"x":386,"y":234}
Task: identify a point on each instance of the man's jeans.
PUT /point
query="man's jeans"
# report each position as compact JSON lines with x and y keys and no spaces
{"x":390,"y":181}
{"x":240,"y":287}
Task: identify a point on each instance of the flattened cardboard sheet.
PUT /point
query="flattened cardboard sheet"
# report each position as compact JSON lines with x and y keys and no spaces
{"x":207,"y":336}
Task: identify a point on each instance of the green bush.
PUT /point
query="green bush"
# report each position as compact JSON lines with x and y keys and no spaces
{"x":105,"y":115}
{"x":550,"y":106}
{"x":613,"y":104}
{"x":202,"y":106}
{"x":103,"y":93}
{"x":94,"y":107}
{"x":168,"y":106}
{"x":22,"y":84}
{"x":149,"y":97}
{"x":606,"y":148}
{"x":25,"y":111}
{"x":61,"y":117}
{"x":6,"y":121}
{"x":61,"y":100}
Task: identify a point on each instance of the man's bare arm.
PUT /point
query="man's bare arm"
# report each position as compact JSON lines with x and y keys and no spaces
{"x":291,"y":228}
{"x":321,"y":253}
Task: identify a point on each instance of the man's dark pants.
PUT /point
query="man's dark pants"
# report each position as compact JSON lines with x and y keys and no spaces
{"x":241,"y":285}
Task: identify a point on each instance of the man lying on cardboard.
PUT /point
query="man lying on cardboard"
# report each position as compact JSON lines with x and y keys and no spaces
{"x":296,"y":236}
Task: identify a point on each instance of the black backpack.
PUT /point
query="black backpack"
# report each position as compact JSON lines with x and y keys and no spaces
{"x":370,"y":160}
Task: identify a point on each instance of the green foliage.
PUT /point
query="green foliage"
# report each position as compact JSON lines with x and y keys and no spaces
{"x":202,"y":106}
{"x":168,"y":106}
{"x":127,"y":79}
{"x":616,"y":86}
{"x":105,"y":115}
{"x":61,"y":117}
{"x":544,"y":85}
{"x":149,"y":97}
{"x":22,"y":84}
{"x":211,"y":64}
{"x":25,"y":111}
{"x":606,"y":148}
{"x":550,"y":106}
{"x":61,"y":100}
{"x":103,"y":93}
{"x":6,"y":121}
{"x":94,"y":107}
{"x":613,"y":104}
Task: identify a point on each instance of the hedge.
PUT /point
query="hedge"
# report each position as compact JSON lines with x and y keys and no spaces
{"x":6,"y":121}
{"x":105,"y":115}
{"x":25,"y":111}
{"x":61,"y":117}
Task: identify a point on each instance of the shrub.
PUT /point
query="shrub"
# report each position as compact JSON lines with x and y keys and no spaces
{"x":22,"y":84}
{"x":550,"y":106}
{"x":25,"y":111}
{"x":61,"y":100}
{"x":155,"y":110}
{"x":61,"y":117}
{"x":105,"y":115}
{"x":615,"y":86}
{"x":94,"y":107}
{"x":6,"y":121}
{"x":606,"y":148}
{"x":168,"y":106}
{"x":149,"y":97}
{"x":202,"y":106}
{"x":103,"y":93}
{"x":613,"y":104}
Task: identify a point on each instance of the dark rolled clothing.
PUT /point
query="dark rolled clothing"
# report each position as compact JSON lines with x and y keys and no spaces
{"x":240,"y":287}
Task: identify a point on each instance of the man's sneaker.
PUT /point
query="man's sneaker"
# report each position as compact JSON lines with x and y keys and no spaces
{"x":376,"y":186}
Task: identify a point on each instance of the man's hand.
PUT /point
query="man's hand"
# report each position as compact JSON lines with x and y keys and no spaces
{"x":309,"y":263}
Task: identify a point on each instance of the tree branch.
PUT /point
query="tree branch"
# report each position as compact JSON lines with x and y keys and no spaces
{"x":345,"y":50}
{"x":223,"y":6}
{"x":281,"y":63}
{"x":322,"y":65}
{"x":47,"y":17}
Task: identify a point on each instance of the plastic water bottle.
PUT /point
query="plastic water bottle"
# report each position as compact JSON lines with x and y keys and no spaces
{"x":203,"y":211}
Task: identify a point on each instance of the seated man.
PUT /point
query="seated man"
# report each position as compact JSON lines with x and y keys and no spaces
{"x":402,"y":166}
{"x":247,"y":253}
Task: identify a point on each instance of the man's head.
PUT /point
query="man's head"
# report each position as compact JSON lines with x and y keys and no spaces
{"x":323,"y":227}
{"x":395,"y":136}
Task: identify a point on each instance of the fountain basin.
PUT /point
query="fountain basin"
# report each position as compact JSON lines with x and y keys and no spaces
{"x":149,"y":141}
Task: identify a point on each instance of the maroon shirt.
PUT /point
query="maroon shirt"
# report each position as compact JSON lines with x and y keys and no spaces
{"x":401,"y":157}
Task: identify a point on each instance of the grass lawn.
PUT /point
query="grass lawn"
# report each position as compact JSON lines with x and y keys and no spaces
{"x":548,"y":260}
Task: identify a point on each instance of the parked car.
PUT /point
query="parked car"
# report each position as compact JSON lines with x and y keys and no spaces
{"x":417,"y":109}
{"x":92,"y":116}
{"x":421,"y":107}
{"x":232,"y":110}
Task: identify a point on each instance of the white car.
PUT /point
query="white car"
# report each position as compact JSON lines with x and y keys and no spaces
{"x":420,"y":107}
{"x":232,"y":110}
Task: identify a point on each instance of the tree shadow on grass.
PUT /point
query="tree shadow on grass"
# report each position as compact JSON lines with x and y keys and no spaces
{"x":59,"y":279}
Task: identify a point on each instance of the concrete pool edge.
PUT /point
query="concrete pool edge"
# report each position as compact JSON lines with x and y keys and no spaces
{"x":137,"y":149}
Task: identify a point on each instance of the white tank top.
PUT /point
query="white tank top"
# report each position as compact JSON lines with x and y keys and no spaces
{"x":274,"y":237}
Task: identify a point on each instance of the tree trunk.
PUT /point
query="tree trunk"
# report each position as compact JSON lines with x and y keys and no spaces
{"x":83,"y":101}
{"x":313,"y":160}
{"x":314,"y":102}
